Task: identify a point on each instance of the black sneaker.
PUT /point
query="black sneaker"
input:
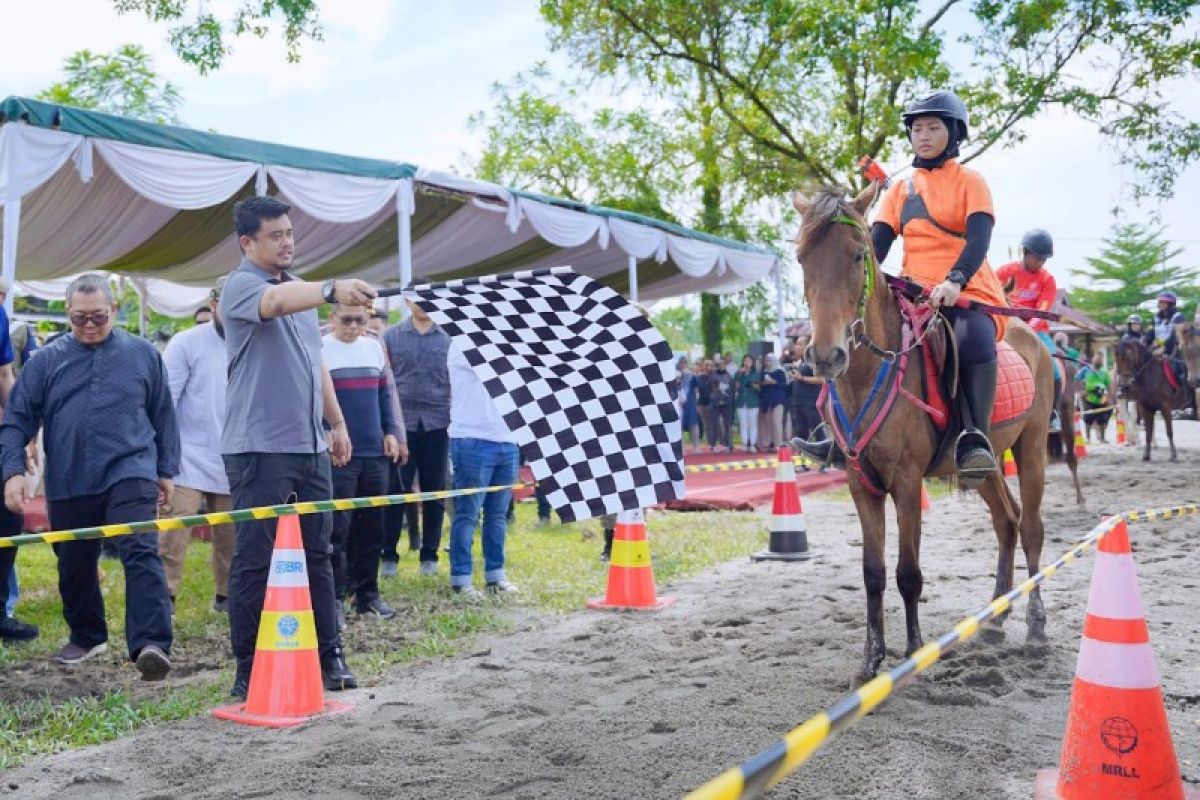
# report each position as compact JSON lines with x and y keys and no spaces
{"x":153,"y":663}
{"x":375,"y":607}
{"x":13,"y":630}
{"x":241,"y":686}
{"x":335,"y":674}
{"x":221,"y":604}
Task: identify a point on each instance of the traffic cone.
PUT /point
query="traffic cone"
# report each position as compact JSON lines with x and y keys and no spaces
{"x":1117,"y":742}
{"x":926,"y":504}
{"x":1120,"y":427}
{"x":630,"y":575}
{"x":789,"y":540}
{"x":285,"y":683}
{"x":1080,"y":446}
{"x":1010,"y":464}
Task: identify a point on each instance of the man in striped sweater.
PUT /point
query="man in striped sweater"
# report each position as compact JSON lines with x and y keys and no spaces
{"x":356,"y":364}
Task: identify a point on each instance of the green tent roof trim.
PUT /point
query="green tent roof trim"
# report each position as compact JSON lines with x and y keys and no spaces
{"x":173,"y":137}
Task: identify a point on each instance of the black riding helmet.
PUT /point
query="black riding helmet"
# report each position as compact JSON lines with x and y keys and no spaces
{"x":944,"y":104}
{"x":1038,"y":242}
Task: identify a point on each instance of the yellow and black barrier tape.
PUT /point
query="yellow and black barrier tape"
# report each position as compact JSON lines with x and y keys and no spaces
{"x":763,"y":771}
{"x":757,"y":463}
{"x":241,"y":515}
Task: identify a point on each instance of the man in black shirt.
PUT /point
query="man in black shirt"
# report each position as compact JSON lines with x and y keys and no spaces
{"x":112,"y":451}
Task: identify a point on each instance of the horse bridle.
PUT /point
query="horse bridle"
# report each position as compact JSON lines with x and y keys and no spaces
{"x":858,"y":327}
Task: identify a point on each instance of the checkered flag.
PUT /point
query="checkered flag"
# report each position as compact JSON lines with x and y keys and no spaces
{"x":581,"y":378}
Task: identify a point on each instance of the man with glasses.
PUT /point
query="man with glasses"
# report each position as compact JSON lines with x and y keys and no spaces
{"x":195,"y":361}
{"x":112,"y":450}
{"x":360,"y":379}
{"x":274,"y":445}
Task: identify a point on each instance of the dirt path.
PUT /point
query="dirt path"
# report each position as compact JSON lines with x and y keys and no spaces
{"x":649,"y":706}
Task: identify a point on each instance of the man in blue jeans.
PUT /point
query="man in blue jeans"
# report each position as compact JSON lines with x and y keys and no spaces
{"x":483,"y":452}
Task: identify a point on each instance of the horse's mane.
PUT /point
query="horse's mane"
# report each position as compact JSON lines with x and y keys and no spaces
{"x":828,"y":204}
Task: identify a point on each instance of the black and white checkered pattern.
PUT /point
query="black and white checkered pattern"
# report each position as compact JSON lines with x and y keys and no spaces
{"x":582,"y":379}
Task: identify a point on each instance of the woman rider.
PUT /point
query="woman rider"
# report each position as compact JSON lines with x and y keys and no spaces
{"x":1133,"y":328}
{"x":944,"y":212}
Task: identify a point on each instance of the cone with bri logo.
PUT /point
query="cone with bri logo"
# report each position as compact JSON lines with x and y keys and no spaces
{"x":926,"y":504}
{"x":285,"y":683}
{"x":630,"y":575}
{"x":789,"y":540}
{"x":1121,"y":438}
{"x":1010,"y":464}
{"x":1117,"y":743}
{"x":1080,"y":445}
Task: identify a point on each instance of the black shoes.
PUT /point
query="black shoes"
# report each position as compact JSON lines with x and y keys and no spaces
{"x":13,"y":630}
{"x":375,"y":608}
{"x":335,"y":674}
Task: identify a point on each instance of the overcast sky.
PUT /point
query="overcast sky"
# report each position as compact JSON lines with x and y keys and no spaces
{"x":397,"y":79}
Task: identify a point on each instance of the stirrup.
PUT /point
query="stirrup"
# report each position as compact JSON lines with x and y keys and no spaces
{"x":974,"y":458}
{"x":824,"y":451}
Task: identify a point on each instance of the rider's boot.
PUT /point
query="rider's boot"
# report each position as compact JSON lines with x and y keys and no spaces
{"x":1055,"y":419}
{"x":974,"y":456}
{"x":823,"y":450}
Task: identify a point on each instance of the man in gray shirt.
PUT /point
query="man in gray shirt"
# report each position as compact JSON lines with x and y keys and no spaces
{"x":416,"y":350}
{"x":274,"y":445}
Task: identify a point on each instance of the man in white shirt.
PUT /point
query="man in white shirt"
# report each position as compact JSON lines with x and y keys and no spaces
{"x":483,"y":452}
{"x":196,"y":372}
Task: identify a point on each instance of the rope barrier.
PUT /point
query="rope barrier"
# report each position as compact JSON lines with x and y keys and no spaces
{"x":763,"y":771}
{"x":307,"y":507}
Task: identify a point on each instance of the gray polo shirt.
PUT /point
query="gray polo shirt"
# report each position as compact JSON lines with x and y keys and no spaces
{"x":273,"y":403}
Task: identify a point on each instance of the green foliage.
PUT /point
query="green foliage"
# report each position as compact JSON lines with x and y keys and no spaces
{"x":710,"y":323}
{"x":1135,"y":264}
{"x":811,"y":85}
{"x":679,"y":325}
{"x":122,"y":82}
{"x":200,"y":38}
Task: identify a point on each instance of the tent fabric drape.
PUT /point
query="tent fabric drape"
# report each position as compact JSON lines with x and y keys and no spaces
{"x":83,"y":191}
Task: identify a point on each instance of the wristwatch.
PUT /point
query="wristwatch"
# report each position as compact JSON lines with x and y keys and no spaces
{"x":957,"y":276}
{"x":329,"y":290}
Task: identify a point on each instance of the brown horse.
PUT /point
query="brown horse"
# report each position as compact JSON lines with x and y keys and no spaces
{"x":834,"y":251}
{"x":1189,"y":348}
{"x":1143,"y":380}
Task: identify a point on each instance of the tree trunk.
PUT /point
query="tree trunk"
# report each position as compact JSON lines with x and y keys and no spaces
{"x":710,"y":216}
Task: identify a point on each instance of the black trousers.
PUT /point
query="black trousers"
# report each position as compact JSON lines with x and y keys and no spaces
{"x":395,"y":517}
{"x":358,"y":535}
{"x":10,"y":525}
{"x":428,"y":456}
{"x":147,"y":604}
{"x":804,"y":420}
{"x":263,"y":479}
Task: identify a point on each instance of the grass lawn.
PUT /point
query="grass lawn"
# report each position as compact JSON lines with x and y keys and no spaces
{"x":47,"y":708}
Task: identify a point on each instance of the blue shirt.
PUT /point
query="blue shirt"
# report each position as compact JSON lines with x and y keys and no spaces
{"x":106,"y":410}
{"x":422,"y":379}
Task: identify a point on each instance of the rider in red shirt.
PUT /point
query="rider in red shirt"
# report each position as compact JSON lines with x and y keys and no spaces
{"x":1034,"y":287}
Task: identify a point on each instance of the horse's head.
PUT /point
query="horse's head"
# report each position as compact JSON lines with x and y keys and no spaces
{"x":833,"y":249}
{"x":1131,"y":357}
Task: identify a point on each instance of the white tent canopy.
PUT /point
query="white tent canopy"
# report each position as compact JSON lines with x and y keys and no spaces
{"x":85,"y":191}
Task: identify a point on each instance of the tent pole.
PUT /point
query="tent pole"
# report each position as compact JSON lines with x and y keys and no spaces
{"x":633,"y":283}
{"x":8,"y":249}
{"x":404,"y":226}
{"x":779,"y":306}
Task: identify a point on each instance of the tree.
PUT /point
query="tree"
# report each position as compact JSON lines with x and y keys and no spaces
{"x":679,"y":326}
{"x":813,"y":84}
{"x":1135,"y":264}
{"x":201,"y":39}
{"x":123,"y":82}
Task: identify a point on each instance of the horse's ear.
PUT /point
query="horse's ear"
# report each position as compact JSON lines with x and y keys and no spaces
{"x":865,"y":198}
{"x":801,"y":203}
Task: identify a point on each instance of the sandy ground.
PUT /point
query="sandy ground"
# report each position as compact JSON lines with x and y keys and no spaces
{"x":594,"y":705}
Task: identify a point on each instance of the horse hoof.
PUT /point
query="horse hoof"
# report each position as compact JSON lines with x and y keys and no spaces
{"x":1036,"y":635}
{"x":992,"y":634}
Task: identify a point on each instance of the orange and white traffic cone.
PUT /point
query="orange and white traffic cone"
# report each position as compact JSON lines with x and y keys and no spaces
{"x":926,"y":503}
{"x":1010,"y":464}
{"x":789,"y":540}
{"x":1080,"y":445}
{"x":1120,"y":427}
{"x":1117,"y":743}
{"x":285,"y":682}
{"x":630,"y":575}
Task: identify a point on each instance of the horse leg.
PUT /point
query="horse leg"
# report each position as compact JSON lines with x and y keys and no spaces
{"x":907,"y":500}
{"x":1032,"y":485}
{"x":871,"y":518}
{"x":1069,"y":452}
{"x":1005,"y":516}
{"x":1148,"y":428}
{"x":1169,"y":424}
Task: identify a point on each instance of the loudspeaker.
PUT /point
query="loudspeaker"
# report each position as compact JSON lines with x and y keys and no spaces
{"x":760,"y":349}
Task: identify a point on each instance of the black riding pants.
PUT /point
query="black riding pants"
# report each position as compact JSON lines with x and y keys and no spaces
{"x":975,"y":333}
